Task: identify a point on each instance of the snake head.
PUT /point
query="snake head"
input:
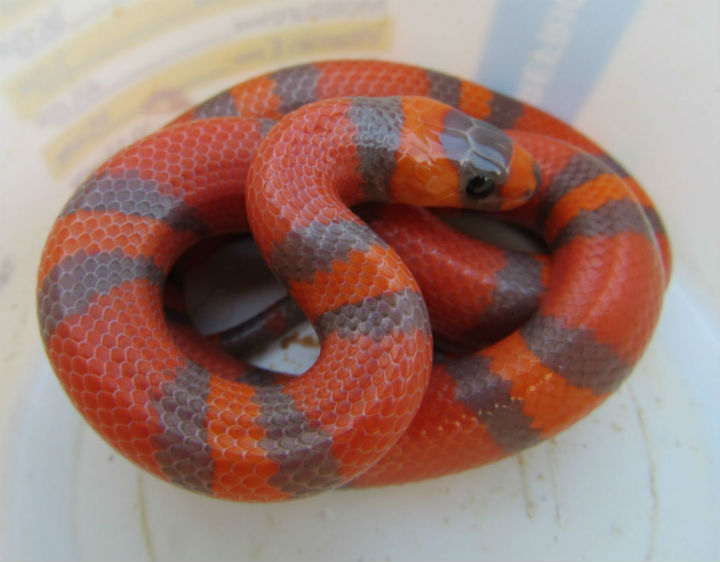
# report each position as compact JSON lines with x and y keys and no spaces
{"x":494,"y":173}
{"x":450,"y":159}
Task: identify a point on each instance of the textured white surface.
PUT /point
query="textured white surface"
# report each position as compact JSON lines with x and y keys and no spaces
{"x":638,"y":479}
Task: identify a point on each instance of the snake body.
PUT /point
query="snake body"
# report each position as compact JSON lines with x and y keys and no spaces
{"x":373,"y":409}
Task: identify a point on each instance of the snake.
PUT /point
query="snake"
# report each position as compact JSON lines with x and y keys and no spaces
{"x":286,"y":155}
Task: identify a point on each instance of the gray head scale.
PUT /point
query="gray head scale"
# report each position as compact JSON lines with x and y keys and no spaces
{"x":481,"y":153}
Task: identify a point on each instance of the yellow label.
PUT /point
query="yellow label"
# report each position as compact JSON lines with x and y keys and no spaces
{"x":302,"y":43}
{"x":128,"y":26}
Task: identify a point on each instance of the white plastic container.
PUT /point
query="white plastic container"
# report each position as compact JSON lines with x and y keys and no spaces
{"x":637,"y":479}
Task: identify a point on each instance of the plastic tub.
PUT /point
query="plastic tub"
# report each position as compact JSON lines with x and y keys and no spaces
{"x":637,"y":479}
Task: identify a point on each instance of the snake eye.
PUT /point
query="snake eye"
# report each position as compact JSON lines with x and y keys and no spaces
{"x":479,"y":187}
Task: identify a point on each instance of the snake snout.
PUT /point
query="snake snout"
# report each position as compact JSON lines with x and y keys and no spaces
{"x":522,"y":182}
